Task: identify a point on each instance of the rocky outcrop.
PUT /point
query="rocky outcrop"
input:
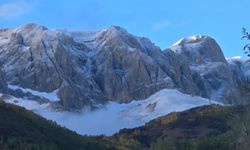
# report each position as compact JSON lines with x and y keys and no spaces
{"x":44,"y":60}
{"x":241,"y":77}
{"x":199,"y":50}
{"x":207,"y":65}
{"x":216,"y":78}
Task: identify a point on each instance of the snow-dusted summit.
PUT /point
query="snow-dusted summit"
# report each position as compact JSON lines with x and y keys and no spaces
{"x":77,"y":69}
{"x":199,"y":49}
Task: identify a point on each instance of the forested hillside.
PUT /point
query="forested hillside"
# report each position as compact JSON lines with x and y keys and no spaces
{"x":205,"y":128}
{"x":23,"y":130}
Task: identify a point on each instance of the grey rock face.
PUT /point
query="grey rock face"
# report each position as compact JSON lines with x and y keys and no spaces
{"x":130,"y":67}
{"x":44,"y":60}
{"x":126,"y":68}
{"x":25,"y":60}
{"x":89,"y":68}
{"x":215,"y":77}
{"x":207,"y":64}
{"x":240,"y":71}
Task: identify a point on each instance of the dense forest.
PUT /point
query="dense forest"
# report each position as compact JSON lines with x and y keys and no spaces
{"x":21,"y":129}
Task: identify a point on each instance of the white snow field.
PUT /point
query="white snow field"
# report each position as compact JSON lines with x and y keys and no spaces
{"x":114,"y":116}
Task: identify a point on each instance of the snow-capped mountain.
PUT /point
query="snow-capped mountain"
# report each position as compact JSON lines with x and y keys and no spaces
{"x":91,"y":68}
{"x":115,"y":75}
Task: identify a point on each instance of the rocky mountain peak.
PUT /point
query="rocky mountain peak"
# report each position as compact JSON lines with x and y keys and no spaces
{"x":118,"y":35}
{"x":117,"y":29}
{"x":33,"y":26}
{"x":199,"y":49}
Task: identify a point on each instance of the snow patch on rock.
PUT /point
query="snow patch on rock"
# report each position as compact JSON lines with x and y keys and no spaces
{"x":189,"y":40}
{"x":52,"y":96}
{"x":28,"y":104}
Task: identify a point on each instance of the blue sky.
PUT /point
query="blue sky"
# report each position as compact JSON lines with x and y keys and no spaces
{"x":163,"y":21}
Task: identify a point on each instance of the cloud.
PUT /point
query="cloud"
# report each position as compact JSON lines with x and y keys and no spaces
{"x":161,"y":25}
{"x":14,"y":9}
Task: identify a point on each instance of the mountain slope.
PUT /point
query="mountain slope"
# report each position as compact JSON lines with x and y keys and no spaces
{"x":91,"y":68}
{"x":207,"y":127}
{"x":117,"y":116}
{"x":22,"y":129}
